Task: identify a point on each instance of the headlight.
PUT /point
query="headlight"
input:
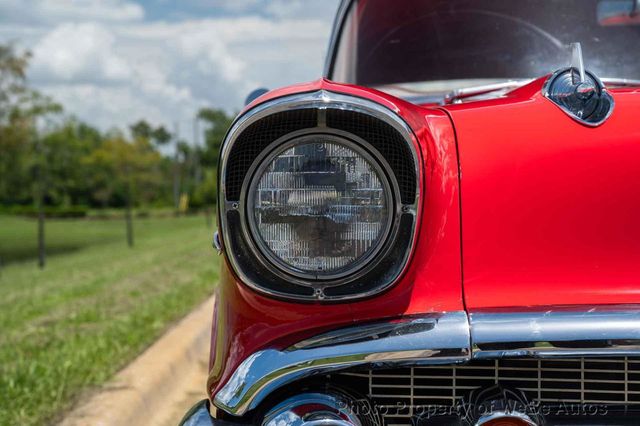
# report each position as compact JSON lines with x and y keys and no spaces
{"x":318,"y":197}
{"x":319,"y":207}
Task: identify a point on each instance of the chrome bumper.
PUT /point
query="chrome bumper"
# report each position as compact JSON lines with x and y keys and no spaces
{"x":199,"y":415}
{"x":445,"y":338}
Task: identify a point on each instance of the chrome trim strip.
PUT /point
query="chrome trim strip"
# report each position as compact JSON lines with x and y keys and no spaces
{"x":620,"y":82}
{"x":338,"y":23}
{"x":217,"y":244}
{"x":198,"y":415}
{"x":469,"y":92}
{"x":439,"y":338}
{"x":321,"y":99}
{"x":577,"y":61}
{"x":599,"y":331}
{"x":430,"y":339}
{"x":504,"y":415}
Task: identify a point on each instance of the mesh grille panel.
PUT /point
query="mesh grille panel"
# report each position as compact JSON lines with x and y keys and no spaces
{"x":581,"y":381}
{"x":385,"y":139}
{"x":256,"y":138}
{"x":381,"y":135}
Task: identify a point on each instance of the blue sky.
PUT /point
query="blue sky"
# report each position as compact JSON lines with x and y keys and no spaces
{"x":111,"y":62}
{"x":181,"y":9}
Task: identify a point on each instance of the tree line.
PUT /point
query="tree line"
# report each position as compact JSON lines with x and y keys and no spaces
{"x":58,"y":163}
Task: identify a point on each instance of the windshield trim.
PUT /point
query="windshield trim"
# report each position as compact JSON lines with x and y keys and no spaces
{"x":336,"y":34}
{"x":465,"y":90}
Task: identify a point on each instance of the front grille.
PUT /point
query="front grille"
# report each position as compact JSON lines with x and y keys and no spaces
{"x":401,"y":392}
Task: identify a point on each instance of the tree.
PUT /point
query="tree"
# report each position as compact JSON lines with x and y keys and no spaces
{"x":14,"y":130}
{"x":69,"y":178}
{"x":39,"y":107}
{"x":21,"y":151}
{"x":13,"y":68}
{"x":218,"y":122}
{"x":21,"y":110}
{"x":128,"y":168}
{"x":161,"y":136}
{"x":141,"y":130}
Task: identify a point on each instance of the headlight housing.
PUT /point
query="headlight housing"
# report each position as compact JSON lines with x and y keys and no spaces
{"x":319,"y":206}
{"x":319,"y":197}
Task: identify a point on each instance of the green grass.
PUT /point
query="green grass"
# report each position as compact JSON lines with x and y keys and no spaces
{"x":95,"y":307}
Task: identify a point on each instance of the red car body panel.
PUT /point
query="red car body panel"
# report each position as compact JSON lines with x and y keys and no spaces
{"x":548,"y":217}
{"x":549,"y":206}
{"x":245,"y":321}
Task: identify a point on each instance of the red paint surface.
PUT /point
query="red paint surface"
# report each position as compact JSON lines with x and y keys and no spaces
{"x":550,"y":207}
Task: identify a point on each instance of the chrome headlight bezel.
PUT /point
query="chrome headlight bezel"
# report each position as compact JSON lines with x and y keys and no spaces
{"x":361,"y":265}
{"x":368,"y":124}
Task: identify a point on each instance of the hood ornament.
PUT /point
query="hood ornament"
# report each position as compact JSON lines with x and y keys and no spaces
{"x":578,"y":92}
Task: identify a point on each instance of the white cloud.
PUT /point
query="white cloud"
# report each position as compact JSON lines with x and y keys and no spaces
{"x":107,"y":107}
{"x":202,"y":45}
{"x":79,"y":53}
{"x":301,"y":8}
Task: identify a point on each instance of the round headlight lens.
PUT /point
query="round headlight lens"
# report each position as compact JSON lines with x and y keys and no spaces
{"x":320,"y":206}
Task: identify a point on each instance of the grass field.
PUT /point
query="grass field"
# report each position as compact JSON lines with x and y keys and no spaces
{"x":94,"y":308}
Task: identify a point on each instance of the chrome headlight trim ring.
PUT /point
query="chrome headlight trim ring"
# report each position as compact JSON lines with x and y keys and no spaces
{"x":321,"y":101}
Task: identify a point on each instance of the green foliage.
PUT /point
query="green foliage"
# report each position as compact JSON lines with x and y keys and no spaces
{"x":161,"y":136}
{"x":141,"y":130}
{"x":13,"y":68}
{"x":119,"y":167}
{"x":205,"y":194}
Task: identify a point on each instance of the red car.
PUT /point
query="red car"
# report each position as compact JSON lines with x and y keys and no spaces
{"x":443,"y":230}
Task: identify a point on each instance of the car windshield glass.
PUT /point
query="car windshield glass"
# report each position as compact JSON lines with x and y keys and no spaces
{"x":445,"y":43}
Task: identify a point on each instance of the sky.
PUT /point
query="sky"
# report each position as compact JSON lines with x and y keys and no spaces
{"x":112,"y":62}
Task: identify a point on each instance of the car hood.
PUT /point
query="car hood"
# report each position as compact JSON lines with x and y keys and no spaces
{"x":550,"y":207}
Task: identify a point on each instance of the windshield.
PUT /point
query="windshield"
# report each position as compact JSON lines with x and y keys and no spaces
{"x":445,"y":43}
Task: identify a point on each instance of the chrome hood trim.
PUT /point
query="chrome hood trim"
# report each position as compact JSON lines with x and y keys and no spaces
{"x":438,"y":338}
{"x":432,"y":339}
